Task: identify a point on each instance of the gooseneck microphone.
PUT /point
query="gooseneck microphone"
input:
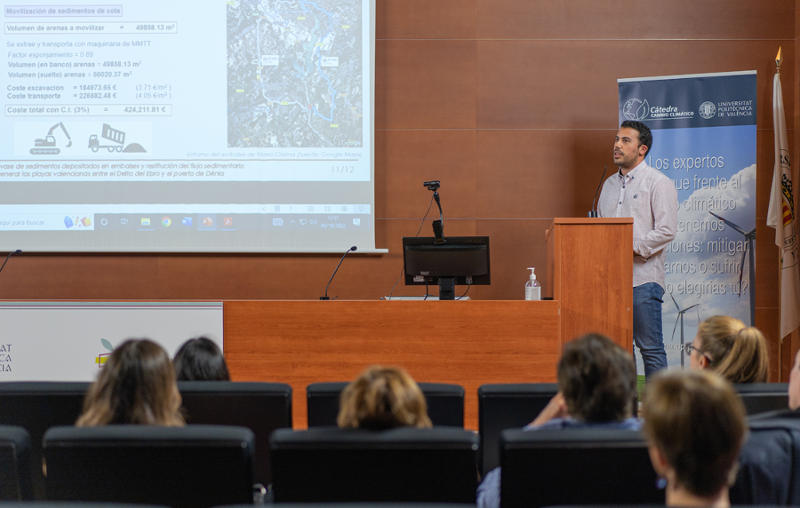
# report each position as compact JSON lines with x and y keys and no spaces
{"x":12,"y":253}
{"x":593,"y":211}
{"x":348,"y":251}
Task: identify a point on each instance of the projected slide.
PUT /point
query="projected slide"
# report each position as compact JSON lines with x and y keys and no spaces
{"x":146,"y":125}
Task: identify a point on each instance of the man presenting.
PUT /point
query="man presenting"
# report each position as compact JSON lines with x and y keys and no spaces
{"x":639,"y":191}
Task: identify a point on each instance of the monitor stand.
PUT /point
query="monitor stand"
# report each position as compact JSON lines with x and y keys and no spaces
{"x":447,"y":288}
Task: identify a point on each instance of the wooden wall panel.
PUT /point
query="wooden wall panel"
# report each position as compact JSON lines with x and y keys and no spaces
{"x":516,"y":245}
{"x":635,"y":19}
{"x":426,"y":19}
{"x":410,"y":157}
{"x":425,"y":84}
{"x":540,"y":173}
{"x":767,"y":320}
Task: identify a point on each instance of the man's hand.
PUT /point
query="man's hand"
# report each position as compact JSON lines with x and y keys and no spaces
{"x":556,"y":408}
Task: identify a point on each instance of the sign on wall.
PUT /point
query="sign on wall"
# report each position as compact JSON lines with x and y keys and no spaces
{"x":704,"y":139}
{"x":70,"y":341}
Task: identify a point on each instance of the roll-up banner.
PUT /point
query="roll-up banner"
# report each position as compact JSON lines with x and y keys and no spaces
{"x":704,"y":139}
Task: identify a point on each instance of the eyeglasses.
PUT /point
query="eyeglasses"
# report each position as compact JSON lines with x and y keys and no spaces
{"x":691,"y":347}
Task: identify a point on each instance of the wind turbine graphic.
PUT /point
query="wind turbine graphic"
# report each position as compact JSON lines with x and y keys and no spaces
{"x":681,"y":312}
{"x":750,"y":236}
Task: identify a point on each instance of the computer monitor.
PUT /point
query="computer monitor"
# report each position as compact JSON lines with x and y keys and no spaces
{"x":460,"y":260}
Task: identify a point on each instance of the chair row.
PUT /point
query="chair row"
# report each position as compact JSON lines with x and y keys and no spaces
{"x":603,"y":466}
{"x":260,"y":407}
{"x":209,"y":465}
{"x":505,"y":406}
{"x":264,"y":407}
{"x":512,"y":406}
{"x":202,"y":465}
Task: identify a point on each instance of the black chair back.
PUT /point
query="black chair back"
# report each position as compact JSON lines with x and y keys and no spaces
{"x":507,"y":406}
{"x":192,"y":466}
{"x":576,"y":466}
{"x":445,"y":403}
{"x":353,"y":505}
{"x":349,"y":465}
{"x":261,"y":407}
{"x":769,"y":464}
{"x":763,"y":397}
{"x":15,"y":464}
{"x":70,"y":504}
{"x":37,"y":406}
{"x":356,"y":505}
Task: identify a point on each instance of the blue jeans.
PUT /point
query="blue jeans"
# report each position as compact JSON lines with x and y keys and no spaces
{"x":647,"y":328}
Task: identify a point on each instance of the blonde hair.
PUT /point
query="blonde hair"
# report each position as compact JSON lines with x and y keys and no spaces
{"x":735,"y":351}
{"x":697,"y":421}
{"x":383,"y":398}
{"x":137,"y":385}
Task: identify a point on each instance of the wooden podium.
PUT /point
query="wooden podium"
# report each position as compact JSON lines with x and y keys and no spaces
{"x":470,"y":343}
{"x":590,"y":271}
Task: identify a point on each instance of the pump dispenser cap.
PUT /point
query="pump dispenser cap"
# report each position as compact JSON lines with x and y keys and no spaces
{"x":533,"y":274}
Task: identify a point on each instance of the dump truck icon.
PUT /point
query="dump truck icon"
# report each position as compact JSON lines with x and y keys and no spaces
{"x":115,"y":137}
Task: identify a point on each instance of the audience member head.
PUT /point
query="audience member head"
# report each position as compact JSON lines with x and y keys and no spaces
{"x":200,"y":359}
{"x":794,"y":383}
{"x":695,"y":425}
{"x":597,"y":379}
{"x":136,"y":385}
{"x":732,"y":349}
{"x":383,"y":398}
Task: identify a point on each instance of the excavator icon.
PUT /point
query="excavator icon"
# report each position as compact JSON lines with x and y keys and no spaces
{"x":47,"y":145}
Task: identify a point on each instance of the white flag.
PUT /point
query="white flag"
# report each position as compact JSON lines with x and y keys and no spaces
{"x":782,"y":217}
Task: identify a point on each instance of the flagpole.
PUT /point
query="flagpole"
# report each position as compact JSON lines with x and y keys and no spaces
{"x":778,"y":62}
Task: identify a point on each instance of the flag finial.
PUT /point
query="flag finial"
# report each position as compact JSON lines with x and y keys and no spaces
{"x":778,"y":59}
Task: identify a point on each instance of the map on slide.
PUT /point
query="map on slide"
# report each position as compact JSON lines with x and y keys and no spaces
{"x":295,"y":73}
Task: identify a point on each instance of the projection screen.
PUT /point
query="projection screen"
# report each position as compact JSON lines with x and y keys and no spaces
{"x":186,"y":126}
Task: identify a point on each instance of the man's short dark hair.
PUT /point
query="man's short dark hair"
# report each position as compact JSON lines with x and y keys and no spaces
{"x":645,"y":136}
{"x":597,"y":379}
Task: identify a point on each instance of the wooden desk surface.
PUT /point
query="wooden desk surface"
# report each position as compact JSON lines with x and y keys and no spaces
{"x":470,"y":343}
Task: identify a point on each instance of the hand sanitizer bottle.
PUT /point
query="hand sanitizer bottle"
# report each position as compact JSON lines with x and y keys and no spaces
{"x":533,"y":290}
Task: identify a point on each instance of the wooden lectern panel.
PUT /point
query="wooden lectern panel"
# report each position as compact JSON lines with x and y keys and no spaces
{"x":469,"y":342}
{"x":590,"y":267}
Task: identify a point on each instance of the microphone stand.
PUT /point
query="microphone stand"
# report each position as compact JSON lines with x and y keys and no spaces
{"x":438,"y":225}
{"x":348,"y":251}
{"x":593,"y":212}
{"x":12,"y":253}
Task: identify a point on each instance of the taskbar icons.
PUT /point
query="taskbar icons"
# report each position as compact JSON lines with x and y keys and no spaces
{"x":225,"y":222}
{"x":166,"y":222}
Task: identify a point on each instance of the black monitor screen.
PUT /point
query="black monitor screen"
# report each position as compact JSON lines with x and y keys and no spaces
{"x":463,"y":258}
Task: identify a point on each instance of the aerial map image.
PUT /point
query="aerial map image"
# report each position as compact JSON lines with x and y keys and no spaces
{"x":295,"y":73}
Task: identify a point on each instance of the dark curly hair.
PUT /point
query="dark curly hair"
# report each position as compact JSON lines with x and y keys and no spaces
{"x":597,"y":379}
